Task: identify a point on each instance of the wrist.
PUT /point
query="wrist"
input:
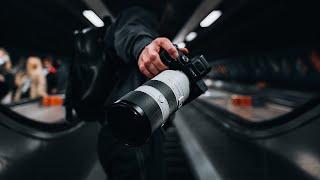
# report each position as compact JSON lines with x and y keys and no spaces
{"x":140,"y":44}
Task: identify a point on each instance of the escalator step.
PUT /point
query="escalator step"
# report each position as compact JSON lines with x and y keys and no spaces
{"x":175,"y":158}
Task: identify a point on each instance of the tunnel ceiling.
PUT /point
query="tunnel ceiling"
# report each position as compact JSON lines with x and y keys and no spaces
{"x":246,"y":26}
{"x":46,"y":26}
{"x":177,"y":14}
{"x":250,"y":26}
{"x":40,"y":26}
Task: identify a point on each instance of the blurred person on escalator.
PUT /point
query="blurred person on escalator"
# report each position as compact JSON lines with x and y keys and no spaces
{"x":6,"y":77}
{"x":31,"y":82}
{"x":62,"y":75}
{"x":51,"y":75}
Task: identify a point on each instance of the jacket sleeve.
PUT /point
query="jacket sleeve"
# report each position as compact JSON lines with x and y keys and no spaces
{"x":133,"y":29}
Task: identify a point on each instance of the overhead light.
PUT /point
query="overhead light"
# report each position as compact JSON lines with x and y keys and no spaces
{"x":181,"y":45}
{"x":211,"y":18}
{"x":93,"y":18}
{"x":191,"y":36}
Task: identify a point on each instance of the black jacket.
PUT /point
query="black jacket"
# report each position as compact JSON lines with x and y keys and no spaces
{"x":125,"y":39}
{"x":133,"y":29}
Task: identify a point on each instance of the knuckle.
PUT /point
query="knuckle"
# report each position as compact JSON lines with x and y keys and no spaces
{"x":147,"y":62}
{"x":171,"y":50}
{"x":167,"y":41}
{"x":146,"y":48}
{"x":153,"y":56}
{"x":162,"y":40}
{"x":147,"y":66}
{"x":141,"y":67}
{"x":144,"y":72}
{"x":157,"y":63}
{"x":152,"y":67}
{"x":156,"y":41}
{"x":141,"y":63}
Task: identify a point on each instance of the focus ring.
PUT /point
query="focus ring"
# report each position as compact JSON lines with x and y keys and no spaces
{"x":166,"y":91}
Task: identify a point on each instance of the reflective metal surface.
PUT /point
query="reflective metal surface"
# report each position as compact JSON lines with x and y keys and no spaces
{"x":40,"y":113}
{"x":220,"y":148}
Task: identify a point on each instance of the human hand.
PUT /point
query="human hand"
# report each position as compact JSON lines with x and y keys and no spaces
{"x":149,"y":61}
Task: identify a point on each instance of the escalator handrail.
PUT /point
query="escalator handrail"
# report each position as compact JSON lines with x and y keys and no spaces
{"x":272,"y":127}
{"x":30,"y":127}
{"x":23,"y":101}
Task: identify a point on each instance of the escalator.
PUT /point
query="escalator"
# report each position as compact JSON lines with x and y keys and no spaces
{"x":220,"y":151}
{"x":259,"y":119}
{"x":241,"y":129}
{"x":40,"y":149}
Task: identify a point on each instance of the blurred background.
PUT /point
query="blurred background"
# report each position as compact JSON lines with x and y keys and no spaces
{"x":37,"y":42}
{"x":265,"y":58}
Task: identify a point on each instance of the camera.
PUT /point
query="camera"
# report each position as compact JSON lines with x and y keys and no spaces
{"x":136,"y":115}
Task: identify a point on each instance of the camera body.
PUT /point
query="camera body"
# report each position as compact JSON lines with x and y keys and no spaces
{"x":194,"y":68}
{"x":136,"y":115}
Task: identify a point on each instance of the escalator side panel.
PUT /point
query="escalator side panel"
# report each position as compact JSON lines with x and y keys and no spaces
{"x":67,"y":157}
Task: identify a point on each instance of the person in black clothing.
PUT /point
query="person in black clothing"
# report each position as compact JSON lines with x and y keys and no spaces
{"x":135,"y":39}
{"x":62,"y":75}
{"x":51,"y":75}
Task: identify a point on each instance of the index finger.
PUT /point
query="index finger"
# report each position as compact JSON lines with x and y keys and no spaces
{"x":156,"y":59}
{"x":184,"y":50}
{"x":167,"y":45}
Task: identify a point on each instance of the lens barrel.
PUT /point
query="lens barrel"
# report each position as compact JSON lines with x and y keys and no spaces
{"x":135,"y":116}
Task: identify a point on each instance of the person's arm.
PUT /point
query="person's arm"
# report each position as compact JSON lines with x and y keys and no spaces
{"x":133,"y":29}
{"x":135,"y":39}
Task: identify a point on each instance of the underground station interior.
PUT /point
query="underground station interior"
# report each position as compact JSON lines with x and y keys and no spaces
{"x":159,"y":90}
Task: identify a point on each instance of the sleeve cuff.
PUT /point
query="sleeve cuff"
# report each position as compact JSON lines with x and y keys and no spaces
{"x":141,"y":42}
